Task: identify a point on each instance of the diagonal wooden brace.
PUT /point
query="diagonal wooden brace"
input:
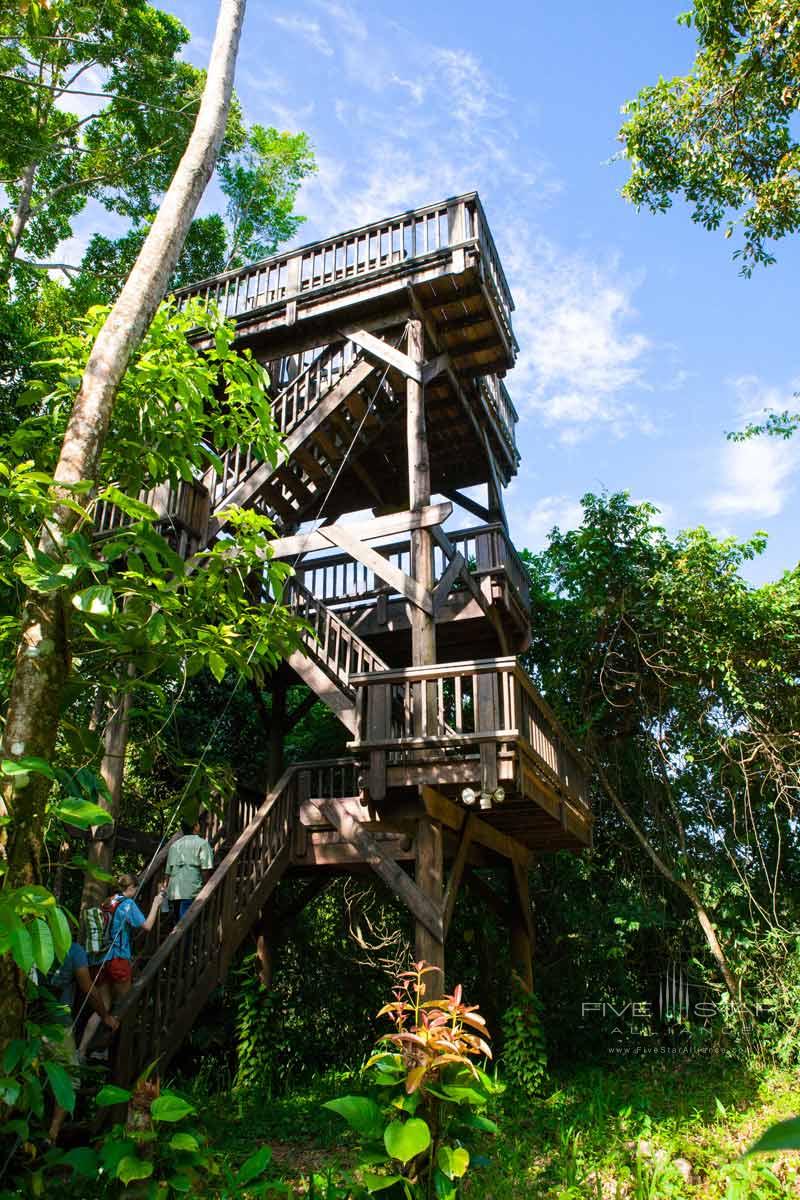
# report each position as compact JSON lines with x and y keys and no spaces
{"x":404,"y":888}
{"x":383,"y":569}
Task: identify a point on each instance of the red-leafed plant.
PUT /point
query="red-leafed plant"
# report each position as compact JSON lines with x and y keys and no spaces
{"x":431,"y":1094}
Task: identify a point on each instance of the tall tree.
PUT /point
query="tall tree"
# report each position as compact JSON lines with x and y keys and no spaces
{"x":42,"y":661}
{"x":681,"y":681}
{"x":94,"y":103}
{"x":724,"y":136}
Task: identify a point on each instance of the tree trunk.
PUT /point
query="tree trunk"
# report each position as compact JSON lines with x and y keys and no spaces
{"x":42,"y":657}
{"x":100,"y":853}
{"x":18,"y":222}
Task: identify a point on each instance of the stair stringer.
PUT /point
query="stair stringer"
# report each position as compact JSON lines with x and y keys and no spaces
{"x":330,"y":653}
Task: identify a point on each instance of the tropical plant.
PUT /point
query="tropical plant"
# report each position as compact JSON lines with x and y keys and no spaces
{"x":431,"y":1093}
{"x":524,"y":1047}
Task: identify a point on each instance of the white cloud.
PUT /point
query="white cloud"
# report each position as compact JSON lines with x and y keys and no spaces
{"x":548,"y":512}
{"x":581,"y":360}
{"x":756,"y":477}
{"x":309,"y":31}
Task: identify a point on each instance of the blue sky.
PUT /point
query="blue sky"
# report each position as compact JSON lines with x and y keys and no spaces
{"x":640,"y":344}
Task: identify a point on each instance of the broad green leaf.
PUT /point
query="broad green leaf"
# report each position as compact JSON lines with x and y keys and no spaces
{"x":452,"y":1161}
{"x":374,"y":1182}
{"x":61,"y":1084}
{"x":180,"y":1184}
{"x":169,"y":1107}
{"x":82,"y":813}
{"x":476,"y":1121}
{"x":255,"y":1165}
{"x":21,"y":944}
{"x":9,"y":1091}
{"x":83,"y":1161}
{"x":59,"y":927}
{"x":132,"y":1167}
{"x":79,"y":863}
{"x":783,"y":1136}
{"x":111,"y":1094}
{"x":216,"y":665}
{"x":97,"y":601}
{"x":184,"y":1141}
{"x":42,"y":942}
{"x":444,"y":1188}
{"x":361,"y":1114}
{"x":24,"y":766}
{"x":404,"y":1140}
{"x":127,"y":504}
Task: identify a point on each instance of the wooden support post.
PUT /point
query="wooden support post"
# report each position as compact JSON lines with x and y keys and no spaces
{"x":430,"y":878}
{"x":423,"y":624}
{"x":522,"y":932}
{"x":276,"y":726}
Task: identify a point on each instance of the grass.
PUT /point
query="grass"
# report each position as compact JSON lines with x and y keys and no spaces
{"x":641,"y":1130}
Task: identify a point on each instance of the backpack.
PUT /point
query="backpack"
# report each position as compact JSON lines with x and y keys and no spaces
{"x":98,"y":923}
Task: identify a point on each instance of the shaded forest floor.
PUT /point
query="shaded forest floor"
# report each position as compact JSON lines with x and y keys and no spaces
{"x":638,"y":1131}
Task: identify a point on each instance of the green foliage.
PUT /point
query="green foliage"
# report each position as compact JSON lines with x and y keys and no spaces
{"x":524,"y":1047}
{"x":431,"y":1095}
{"x":260,"y":184}
{"x":259,"y":181}
{"x":34,"y":929}
{"x":176,"y":1162}
{"x":257,"y":1041}
{"x":124,"y":152}
{"x":680,"y":680}
{"x":724,"y":136}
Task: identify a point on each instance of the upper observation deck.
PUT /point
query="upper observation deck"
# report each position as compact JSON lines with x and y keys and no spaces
{"x":440,"y":259}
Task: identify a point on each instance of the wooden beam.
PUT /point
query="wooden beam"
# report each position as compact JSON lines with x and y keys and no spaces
{"x":470,"y":505}
{"x":450,"y":814}
{"x":456,"y":872}
{"x":435,"y":366}
{"x":421,"y":906}
{"x":301,"y":710}
{"x":386,"y":353}
{"x":340,"y":535}
{"x":429,"y":943}
{"x":442,"y":590}
{"x":401,"y":522}
{"x":521,"y":927}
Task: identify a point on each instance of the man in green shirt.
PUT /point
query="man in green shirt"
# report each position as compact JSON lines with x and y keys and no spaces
{"x":190,"y":863}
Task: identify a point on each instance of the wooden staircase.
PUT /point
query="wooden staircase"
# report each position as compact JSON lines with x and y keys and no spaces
{"x":171,"y":990}
{"x":340,"y":396}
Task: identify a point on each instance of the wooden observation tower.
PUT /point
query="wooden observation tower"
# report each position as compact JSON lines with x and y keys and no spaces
{"x":387,"y":347}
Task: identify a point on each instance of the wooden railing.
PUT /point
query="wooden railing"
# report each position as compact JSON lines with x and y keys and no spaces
{"x":454,"y":706}
{"x":436,"y":229}
{"x":182,"y":508}
{"x":175,"y":983}
{"x":478,"y":227}
{"x":494,"y":395}
{"x":328,"y":640}
{"x":339,"y":579}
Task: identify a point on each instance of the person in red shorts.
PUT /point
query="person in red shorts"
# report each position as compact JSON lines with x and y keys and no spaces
{"x":115,"y":973}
